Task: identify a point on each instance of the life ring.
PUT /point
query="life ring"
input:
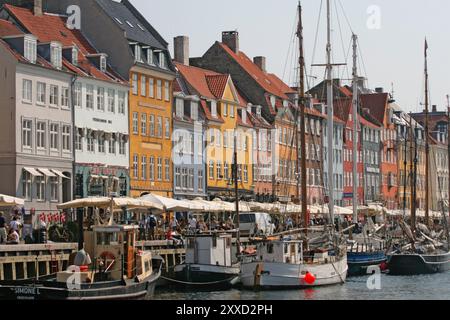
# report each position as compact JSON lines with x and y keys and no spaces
{"x":108,"y":256}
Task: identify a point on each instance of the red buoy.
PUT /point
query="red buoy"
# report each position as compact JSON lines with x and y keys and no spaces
{"x":309,"y":278}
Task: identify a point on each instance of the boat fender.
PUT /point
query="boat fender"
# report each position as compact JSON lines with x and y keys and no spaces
{"x":309,"y":278}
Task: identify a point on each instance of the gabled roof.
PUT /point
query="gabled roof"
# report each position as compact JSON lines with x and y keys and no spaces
{"x":377,"y":104}
{"x":283,"y":87}
{"x":267,"y":82}
{"x":343,"y":108}
{"x":124,"y":11}
{"x":7,"y":28}
{"x":206,"y":83}
{"x":51,"y":27}
{"x":365,"y":122}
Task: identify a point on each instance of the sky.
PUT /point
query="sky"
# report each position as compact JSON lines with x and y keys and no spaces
{"x":391,"y":38}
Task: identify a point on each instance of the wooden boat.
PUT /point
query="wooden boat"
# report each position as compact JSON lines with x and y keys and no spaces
{"x":119,"y":272}
{"x":283,"y":265}
{"x":210,"y":263}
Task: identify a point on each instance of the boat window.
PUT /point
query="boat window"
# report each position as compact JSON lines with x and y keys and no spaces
{"x":214,"y":240}
{"x":191,"y":243}
{"x":286,"y":248}
{"x":100,"y":238}
{"x":247,"y":218}
{"x":228,"y":242}
{"x":270,"y":248}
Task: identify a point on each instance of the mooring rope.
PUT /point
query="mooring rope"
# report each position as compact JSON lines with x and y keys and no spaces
{"x":197,"y":283}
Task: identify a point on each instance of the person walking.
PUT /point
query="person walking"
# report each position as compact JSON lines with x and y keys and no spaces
{"x":3,"y":235}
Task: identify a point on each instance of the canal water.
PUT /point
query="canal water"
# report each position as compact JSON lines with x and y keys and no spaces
{"x":425,"y":287}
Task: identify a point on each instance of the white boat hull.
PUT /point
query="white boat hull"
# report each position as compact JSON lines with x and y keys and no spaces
{"x":276,"y":275}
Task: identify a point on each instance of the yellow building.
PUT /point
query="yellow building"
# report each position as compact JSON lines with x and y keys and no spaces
{"x":151,"y":97}
{"x":225,"y":117}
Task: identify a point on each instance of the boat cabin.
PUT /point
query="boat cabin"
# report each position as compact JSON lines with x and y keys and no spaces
{"x":209,"y":249}
{"x":290,"y":252}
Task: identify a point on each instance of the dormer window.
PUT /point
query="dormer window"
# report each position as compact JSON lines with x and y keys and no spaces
{"x":244,"y":116}
{"x":258,"y":110}
{"x":162,"y":60}
{"x":30,"y":49}
{"x":75,"y":56}
{"x":194,"y":110}
{"x":273,"y":101}
{"x":149,"y":56}
{"x":137,"y":52}
{"x":103,"y":63}
{"x":214,"y":108}
{"x":179,"y":108}
{"x":56,"y":55}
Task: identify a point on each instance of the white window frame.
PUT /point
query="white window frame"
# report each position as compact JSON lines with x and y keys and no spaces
{"x":100,"y":99}
{"x":90,"y":96}
{"x":27,"y":134}
{"x":27,"y":91}
{"x":167,"y":91}
{"x":111,"y":100}
{"x":66,"y":138}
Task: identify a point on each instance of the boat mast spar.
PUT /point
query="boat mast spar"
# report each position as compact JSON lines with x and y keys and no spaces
{"x":427,"y":143}
{"x":302,"y":103}
{"x":355,"y":130}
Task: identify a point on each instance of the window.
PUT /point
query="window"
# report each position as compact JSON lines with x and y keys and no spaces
{"x":184,"y":178}
{"x":143,"y":86}
{"x":122,"y":99}
{"x":211,"y":170}
{"x":40,"y":93}
{"x":40,"y":188}
{"x":26,"y":185}
{"x":144,"y":124}
{"x":101,"y":99}
{"x":53,"y":95}
{"x":226,"y":171}
{"x":191,"y":179}
{"x":112,"y":100}
{"x":78,"y":94}
{"x":149,"y":56}
{"x":30,"y":51}
{"x":177,"y":178}
{"x":144,"y":168}
{"x":245,"y":173}
{"x":122,"y":147}
{"x":152,"y":125}
{"x":65,"y":97}
{"x":26,"y":133}
{"x":134,"y":84}
{"x":200,"y":180}
{"x":219,"y":170}
{"x":179,"y":108}
{"x":135,"y":166}
{"x":54,"y":133}
{"x":56,"y":55}
{"x":75,"y":56}
{"x":66,"y":138}
{"x":78,"y":141}
{"x":231,"y":111}
{"x":103,"y":64}
{"x":225,"y":107}
{"x":151,"y":88}
{"x":112,"y":146}
{"x":159,"y":89}
{"x":138,"y":53}
{"x":152,"y":169}
{"x":40,"y":135}
{"x":89,"y":96}
{"x":54,"y":186}
{"x":90,"y":144}
{"x":167,"y":91}
{"x":159,"y":127}
{"x":160,"y":169}
{"x":101,"y":143}
{"x":214,"y":109}
{"x":135,"y":123}
{"x":167,"y":169}
{"x":167,"y":128}
{"x":27,"y":90}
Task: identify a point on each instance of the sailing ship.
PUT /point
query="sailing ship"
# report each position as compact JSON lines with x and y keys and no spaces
{"x":119,"y":271}
{"x":298,"y":261}
{"x":419,"y":253}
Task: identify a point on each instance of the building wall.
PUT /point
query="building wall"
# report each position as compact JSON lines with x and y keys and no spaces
{"x":372,"y":161}
{"x":263,"y":141}
{"x":389,"y":167}
{"x":438,"y":175}
{"x":149,"y":146}
{"x":338,"y":163}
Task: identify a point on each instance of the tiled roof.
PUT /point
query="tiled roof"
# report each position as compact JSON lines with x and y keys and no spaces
{"x":124,"y":11}
{"x":376,"y":103}
{"x":206,"y":83}
{"x":7,"y":28}
{"x":368,"y":123}
{"x":267,"y":82}
{"x":50,"y":27}
{"x":343,"y":108}
{"x":283,"y":87}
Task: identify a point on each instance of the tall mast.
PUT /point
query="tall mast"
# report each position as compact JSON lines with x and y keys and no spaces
{"x":412,"y":175}
{"x":355,"y":129}
{"x":302,"y":102}
{"x":427,"y":146}
{"x":330,"y":117}
{"x":448,"y":142}
{"x":236,"y":193}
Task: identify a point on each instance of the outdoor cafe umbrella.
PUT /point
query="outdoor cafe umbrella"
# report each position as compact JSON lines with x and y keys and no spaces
{"x":169,"y":204}
{"x":115,"y":203}
{"x":8,"y":201}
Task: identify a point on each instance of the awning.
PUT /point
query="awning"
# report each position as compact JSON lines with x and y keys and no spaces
{"x":104,"y":177}
{"x":33,"y":172}
{"x":47,"y":172}
{"x":6,"y":201}
{"x":59,"y":174}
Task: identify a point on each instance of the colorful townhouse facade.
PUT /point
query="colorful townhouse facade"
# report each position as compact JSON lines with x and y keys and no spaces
{"x":225,"y":119}
{"x":99,"y":98}
{"x":37,"y":155}
{"x":378,"y":106}
{"x":140,"y":55}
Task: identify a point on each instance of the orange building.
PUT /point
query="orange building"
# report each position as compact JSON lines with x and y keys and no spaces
{"x":151,"y":97}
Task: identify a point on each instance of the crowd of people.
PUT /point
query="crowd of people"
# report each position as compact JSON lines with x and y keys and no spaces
{"x":10,"y":233}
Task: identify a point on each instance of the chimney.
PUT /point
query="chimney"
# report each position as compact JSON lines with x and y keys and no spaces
{"x":231,"y":39}
{"x":434,"y":108}
{"x":379,"y":90}
{"x":181,"y":49}
{"x":37,"y":9}
{"x":260,"y":62}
